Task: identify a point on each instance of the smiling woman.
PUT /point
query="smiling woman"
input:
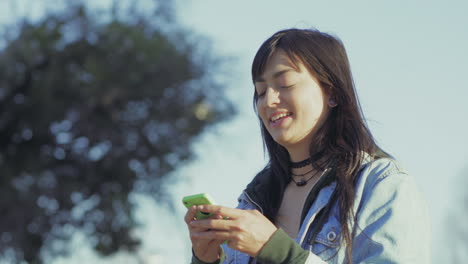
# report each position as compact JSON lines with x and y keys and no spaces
{"x":290,"y":103}
{"x":328,"y":194}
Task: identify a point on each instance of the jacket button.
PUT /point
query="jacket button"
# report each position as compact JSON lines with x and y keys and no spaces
{"x":331,"y":236}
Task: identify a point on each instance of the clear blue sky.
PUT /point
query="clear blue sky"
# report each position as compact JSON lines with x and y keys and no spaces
{"x":409,"y":60}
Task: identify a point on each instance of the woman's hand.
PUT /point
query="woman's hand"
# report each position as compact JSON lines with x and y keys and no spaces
{"x":245,"y":230}
{"x":206,"y":250}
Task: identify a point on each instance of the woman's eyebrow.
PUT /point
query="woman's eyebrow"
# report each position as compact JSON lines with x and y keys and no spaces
{"x":275,"y":75}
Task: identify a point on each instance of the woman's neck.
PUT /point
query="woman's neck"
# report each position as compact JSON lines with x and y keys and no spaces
{"x":298,"y":153}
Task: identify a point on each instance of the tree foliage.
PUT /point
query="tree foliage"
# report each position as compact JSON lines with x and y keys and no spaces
{"x":91,"y":111}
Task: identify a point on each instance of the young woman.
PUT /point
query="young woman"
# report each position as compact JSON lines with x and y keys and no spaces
{"x":328,"y":194}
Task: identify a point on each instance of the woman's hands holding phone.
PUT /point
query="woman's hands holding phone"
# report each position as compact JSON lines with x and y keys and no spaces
{"x":206,"y":250}
{"x":245,"y":230}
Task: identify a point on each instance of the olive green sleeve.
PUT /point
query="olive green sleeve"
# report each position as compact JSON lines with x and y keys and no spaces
{"x":195,"y":260}
{"x":282,"y":249}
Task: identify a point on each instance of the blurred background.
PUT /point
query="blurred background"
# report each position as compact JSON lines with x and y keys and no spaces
{"x":111,"y":111}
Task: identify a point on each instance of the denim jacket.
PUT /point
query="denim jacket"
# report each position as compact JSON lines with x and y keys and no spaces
{"x":392,"y":222}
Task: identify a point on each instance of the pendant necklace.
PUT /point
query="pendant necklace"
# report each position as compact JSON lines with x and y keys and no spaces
{"x":303,"y":181}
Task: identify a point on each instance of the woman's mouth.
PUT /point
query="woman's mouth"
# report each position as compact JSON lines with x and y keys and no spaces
{"x":278,"y":119}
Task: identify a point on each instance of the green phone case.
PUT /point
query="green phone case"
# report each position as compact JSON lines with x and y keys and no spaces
{"x":198,"y":199}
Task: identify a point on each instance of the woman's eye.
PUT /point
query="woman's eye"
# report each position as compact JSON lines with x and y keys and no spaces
{"x":260,"y":91}
{"x":287,"y":86}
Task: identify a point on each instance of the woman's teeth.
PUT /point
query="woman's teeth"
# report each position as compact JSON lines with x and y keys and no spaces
{"x":275,"y":118}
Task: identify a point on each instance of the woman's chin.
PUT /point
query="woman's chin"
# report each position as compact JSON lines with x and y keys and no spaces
{"x":283,"y":140}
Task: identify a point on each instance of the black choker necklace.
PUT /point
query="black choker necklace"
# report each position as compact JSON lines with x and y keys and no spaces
{"x":300,"y":164}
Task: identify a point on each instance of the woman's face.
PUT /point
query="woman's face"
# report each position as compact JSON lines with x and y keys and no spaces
{"x":290,"y":102}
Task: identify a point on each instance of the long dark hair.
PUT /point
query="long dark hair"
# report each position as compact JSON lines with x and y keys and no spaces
{"x":342,"y":140}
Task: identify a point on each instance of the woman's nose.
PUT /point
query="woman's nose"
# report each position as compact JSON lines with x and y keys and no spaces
{"x":272,"y":97}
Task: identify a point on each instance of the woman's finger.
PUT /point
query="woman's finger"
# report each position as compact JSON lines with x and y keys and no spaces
{"x":220,"y":210}
{"x":216,"y":217}
{"x":190,"y":215}
{"x":197,"y":229}
{"x":215,"y":224}
{"x":217,"y":235}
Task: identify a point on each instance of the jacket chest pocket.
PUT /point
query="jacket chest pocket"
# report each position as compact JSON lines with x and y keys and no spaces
{"x":327,"y":242}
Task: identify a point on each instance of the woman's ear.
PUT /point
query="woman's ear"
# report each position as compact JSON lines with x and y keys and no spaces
{"x":332,"y":103}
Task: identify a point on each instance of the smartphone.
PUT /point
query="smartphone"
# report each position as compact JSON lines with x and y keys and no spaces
{"x":198,"y":199}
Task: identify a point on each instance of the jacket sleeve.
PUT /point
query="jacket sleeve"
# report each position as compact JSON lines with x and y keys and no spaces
{"x":282,"y":249}
{"x":392,"y":222}
{"x":195,"y":260}
{"x":279,"y":249}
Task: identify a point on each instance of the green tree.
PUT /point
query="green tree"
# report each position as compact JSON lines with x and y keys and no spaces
{"x":91,"y":111}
